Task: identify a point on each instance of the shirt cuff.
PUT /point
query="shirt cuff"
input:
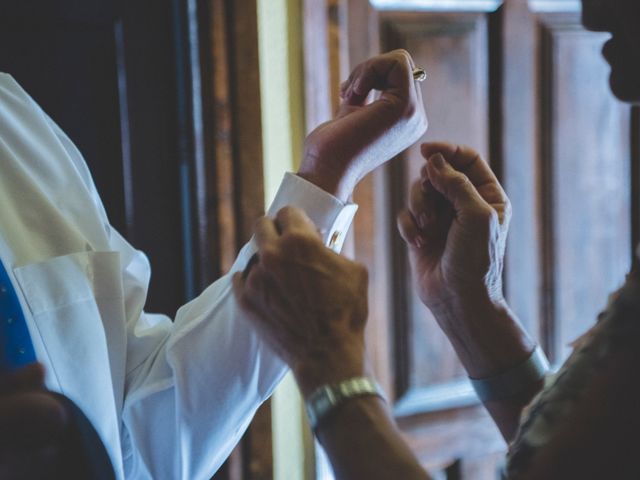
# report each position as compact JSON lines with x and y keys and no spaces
{"x":332,"y":216}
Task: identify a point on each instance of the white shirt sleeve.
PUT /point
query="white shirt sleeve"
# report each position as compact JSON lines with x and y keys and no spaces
{"x":170,"y":399}
{"x":195,"y":384}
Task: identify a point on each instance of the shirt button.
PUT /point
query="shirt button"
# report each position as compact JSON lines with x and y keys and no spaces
{"x":3,"y":289}
{"x":9,"y":321}
{"x":334,"y":239}
{"x":21,"y":350}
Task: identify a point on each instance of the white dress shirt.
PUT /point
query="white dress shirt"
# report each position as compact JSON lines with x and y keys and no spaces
{"x":169,"y":399}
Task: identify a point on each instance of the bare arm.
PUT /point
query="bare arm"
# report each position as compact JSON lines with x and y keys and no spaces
{"x":363,"y":441}
{"x":489,"y":340}
{"x":455,"y":228}
{"x":310,"y":305}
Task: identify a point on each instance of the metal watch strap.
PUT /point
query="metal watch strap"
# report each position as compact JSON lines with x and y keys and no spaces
{"x":326,"y":398}
{"x":515,"y":380}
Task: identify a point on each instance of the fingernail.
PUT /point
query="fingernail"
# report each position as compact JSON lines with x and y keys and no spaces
{"x":343,"y":89}
{"x":437,"y":161}
{"x":423,"y":220}
{"x":250,"y":264}
{"x":354,"y":89}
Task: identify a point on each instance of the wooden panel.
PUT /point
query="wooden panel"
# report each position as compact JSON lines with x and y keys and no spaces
{"x":230,"y":189}
{"x":155,"y":143}
{"x":370,"y":232}
{"x":510,"y":83}
{"x":454,"y":50}
{"x":517,"y":154}
{"x":588,"y":198}
{"x":439,"y":438}
{"x":182,"y":183}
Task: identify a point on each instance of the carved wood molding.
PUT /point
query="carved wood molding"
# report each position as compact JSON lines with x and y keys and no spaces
{"x":454,"y":394}
{"x":439,"y":438}
{"x":551,"y":6}
{"x":230,"y":193}
{"x":458,"y":44}
{"x":437,"y":5}
{"x":572,"y":263}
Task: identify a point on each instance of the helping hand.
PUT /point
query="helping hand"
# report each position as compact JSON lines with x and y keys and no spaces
{"x":339,"y":153}
{"x":456,"y":229}
{"x":309,"y":303}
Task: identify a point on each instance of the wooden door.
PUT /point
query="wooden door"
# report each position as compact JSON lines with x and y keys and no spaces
{"x":524,"y":84}
{"x":149,"y":90}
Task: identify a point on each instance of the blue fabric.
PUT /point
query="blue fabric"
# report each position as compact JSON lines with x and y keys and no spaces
{"x":16,"y":348}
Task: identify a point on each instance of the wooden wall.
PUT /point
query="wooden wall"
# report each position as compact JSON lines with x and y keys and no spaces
{"x":524,"y":84}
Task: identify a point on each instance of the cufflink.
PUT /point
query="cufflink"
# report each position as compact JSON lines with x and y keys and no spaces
{"x":333,"y":242}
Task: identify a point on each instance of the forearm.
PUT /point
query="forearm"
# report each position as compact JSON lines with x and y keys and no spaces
{"x":362,"y":441}
{"x":489,"y":340}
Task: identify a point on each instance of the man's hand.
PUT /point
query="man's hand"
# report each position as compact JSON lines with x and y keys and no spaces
{"x":456,"y":228}
{"x":339,"y":153}
{"x":309,"y":303}
{"x":32,"y":426}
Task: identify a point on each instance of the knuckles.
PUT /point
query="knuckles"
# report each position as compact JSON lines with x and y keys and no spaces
{"x":403,"y":57}
{"x":363,"y":274}
{"x":298,"y":242}
{"x":270,"y":257}
{"x":253,"y":284}
{"x":457,"y":181}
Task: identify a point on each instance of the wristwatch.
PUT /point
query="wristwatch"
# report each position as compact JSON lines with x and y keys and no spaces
{"x":323,"y":401}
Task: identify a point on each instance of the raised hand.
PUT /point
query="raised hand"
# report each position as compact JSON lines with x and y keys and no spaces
{"x":363,"y":136}
{"x":456,"y":228}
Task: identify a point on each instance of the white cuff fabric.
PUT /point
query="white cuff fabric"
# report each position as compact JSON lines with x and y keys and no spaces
{"x":332,"y":217}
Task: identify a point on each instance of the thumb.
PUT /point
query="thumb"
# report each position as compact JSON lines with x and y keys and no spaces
{"x":455,"y":186}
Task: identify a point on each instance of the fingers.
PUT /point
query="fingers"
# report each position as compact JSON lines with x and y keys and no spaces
{"x":422,"y":203}
{"x":430,"y":212}
{"x":409,"y":230}
{"x":390,"y":72}
{"x":265,"y":232}
{"x":465,"y":160}
{"x":455,"y":186}
{"x":293,"y":219}
{"x":470,"y":163}
{"x":264,"y":303}
{"x":245,"y":289}
{"x":238,"y":281}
